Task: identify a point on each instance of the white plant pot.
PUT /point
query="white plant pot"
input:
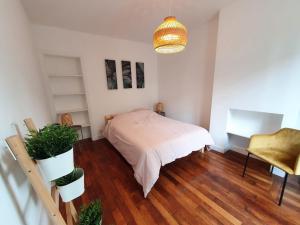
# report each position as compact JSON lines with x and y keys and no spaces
{"x":58,"y":166}
{"x":72,"y":190}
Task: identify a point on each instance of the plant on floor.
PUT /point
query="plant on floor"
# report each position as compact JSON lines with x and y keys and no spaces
{"x":69,"y":178}
{"x":50,"y":141}
{"x":91,"y":214}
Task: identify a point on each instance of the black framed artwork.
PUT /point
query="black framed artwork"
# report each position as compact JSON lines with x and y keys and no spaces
{"x":111,"y":74}
{"x":126,"y":74}
{"x":140,"y":79}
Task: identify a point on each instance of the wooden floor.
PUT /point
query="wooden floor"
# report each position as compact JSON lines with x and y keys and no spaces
{"x":198,"y":189}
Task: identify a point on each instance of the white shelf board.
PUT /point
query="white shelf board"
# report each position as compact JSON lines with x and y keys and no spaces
{"x":241,"y":134}
{"x":67,"y":94}
{"x":64,"y":75}
{"x":72,"y":110}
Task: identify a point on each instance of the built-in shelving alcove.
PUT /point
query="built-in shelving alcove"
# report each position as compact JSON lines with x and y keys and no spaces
{"x":65,"y":82}
{"x":245,"y":123}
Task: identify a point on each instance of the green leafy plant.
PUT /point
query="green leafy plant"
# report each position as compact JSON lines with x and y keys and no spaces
{"x":69,"y":178}
{"x":50,"y":141}
{"x":91,"y":214}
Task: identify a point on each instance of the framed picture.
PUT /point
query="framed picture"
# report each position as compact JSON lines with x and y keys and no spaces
{"x":111,"y":74}
{"x":140,"y":80}
{"x":126,"y":74}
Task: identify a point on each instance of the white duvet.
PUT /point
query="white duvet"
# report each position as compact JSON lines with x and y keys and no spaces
{"x":148,"y":141}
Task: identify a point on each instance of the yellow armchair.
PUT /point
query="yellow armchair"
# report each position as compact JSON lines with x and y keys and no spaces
{"x":280,"y":149}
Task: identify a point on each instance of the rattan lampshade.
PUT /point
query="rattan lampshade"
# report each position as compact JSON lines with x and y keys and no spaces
{"x":170,"y":36}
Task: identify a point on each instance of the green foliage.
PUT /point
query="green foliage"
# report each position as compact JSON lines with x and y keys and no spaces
{"x":69,"y":178}
{"x":50,"y":141}
{"x":91,"y":214}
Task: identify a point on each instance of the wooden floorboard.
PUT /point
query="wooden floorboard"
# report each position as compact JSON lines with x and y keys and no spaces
{"x":202,"y":188}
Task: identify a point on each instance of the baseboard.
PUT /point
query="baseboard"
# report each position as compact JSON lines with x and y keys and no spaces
{"x":217,"y":148}
{"x":97,"y":137}
{"x":238,"y":149}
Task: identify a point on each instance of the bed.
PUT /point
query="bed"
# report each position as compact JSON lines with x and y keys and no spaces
{"x":149,"y":141}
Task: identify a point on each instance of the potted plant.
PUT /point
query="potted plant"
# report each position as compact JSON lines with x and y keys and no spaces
{"x":91,"y":214}
{"x":52,"y":148}
{"x":71,"y":186}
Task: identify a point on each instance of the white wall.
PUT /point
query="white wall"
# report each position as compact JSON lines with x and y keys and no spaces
{"x":185,"y":79}
{"x":94,"y":49}
{"x":21,"y":96}
{"x":257,"y":62}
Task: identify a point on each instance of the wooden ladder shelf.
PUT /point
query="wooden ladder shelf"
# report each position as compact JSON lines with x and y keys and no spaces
{"x":50,"y":200}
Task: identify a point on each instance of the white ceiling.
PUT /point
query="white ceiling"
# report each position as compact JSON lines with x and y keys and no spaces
{"x":126,"y":19}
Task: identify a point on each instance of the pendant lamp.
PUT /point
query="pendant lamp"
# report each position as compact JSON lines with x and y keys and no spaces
{"x":170,"y":36}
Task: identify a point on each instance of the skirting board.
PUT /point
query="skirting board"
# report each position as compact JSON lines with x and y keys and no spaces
{"x":217,"y":148}
{"x":98,"y":137}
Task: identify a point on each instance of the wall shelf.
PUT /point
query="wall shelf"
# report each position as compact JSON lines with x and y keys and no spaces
{"x":240,"y":134}
{"x":72,"y":110}
{"x":66,"y":89}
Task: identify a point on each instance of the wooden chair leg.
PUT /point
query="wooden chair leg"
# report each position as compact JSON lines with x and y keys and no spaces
{"x":245,"y":166}
{"x":283,"y":188}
